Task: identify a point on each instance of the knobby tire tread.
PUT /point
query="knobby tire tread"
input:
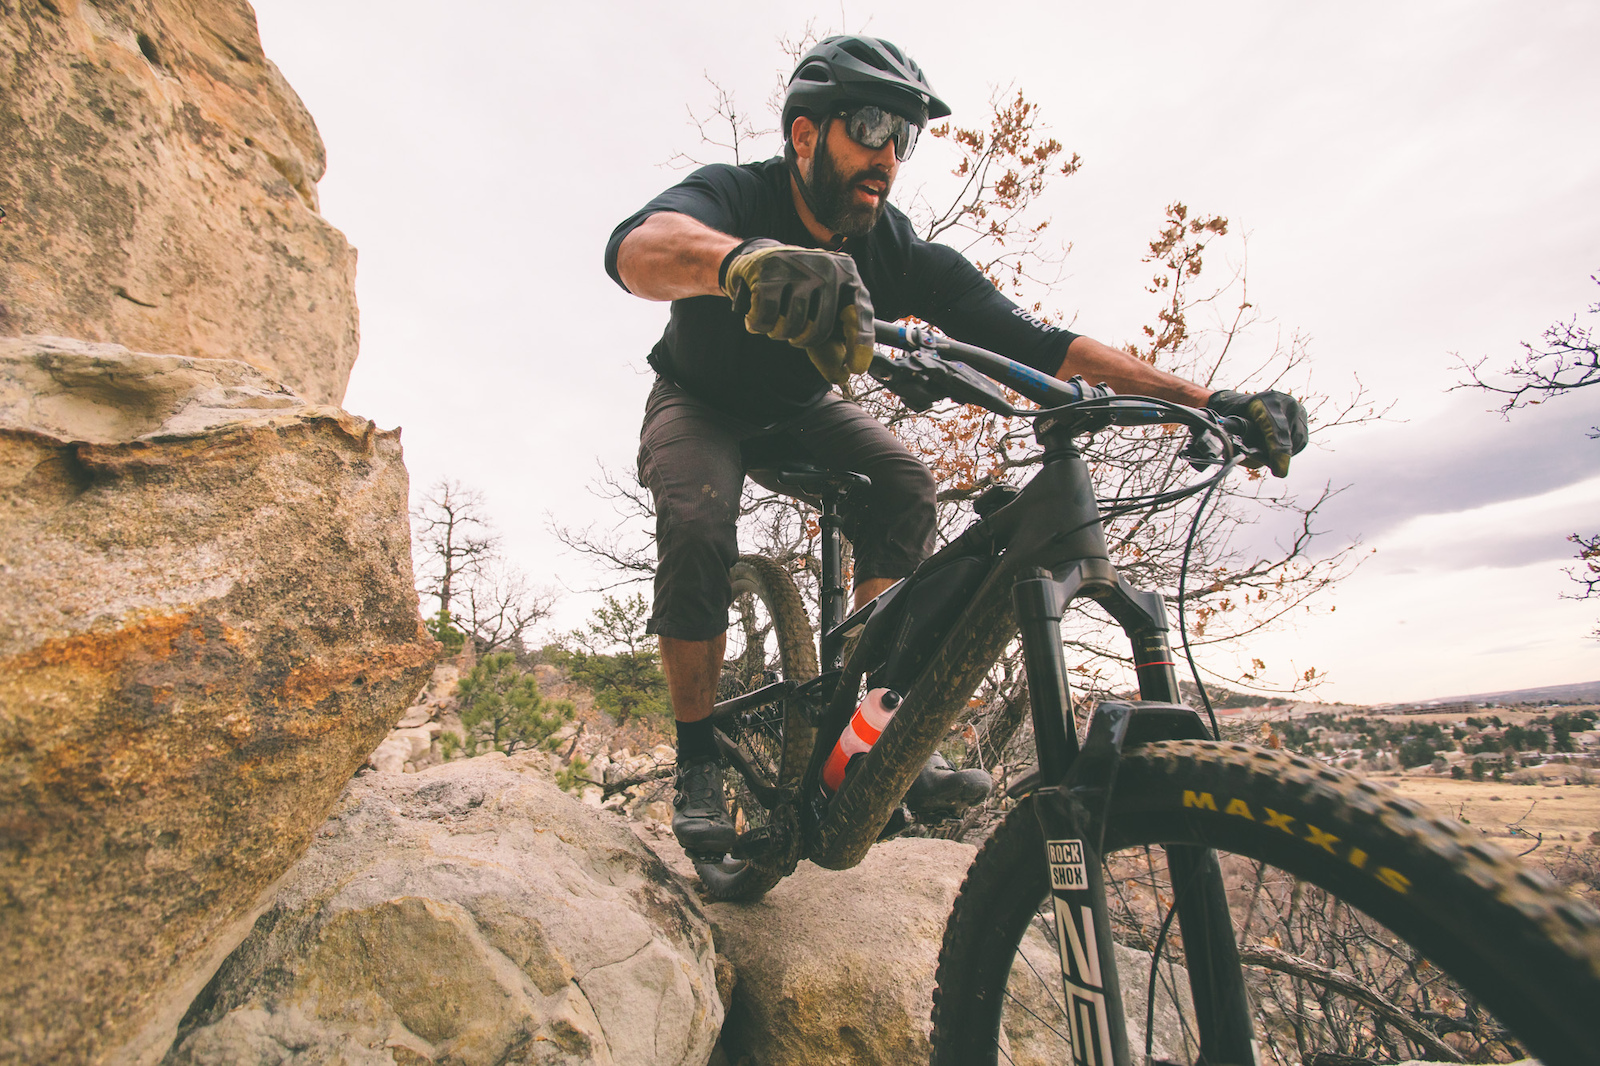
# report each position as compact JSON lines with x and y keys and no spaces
{"x":797,"y":651}
{"x":1515,"y":940}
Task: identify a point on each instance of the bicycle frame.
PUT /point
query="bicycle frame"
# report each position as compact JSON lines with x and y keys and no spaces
{"x":1046,"y":548}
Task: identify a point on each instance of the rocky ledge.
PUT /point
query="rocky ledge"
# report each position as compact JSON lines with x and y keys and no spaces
{"x":206,"y":623}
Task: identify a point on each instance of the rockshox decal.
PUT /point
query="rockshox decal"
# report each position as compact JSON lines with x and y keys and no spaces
{"x":1066,"y":866}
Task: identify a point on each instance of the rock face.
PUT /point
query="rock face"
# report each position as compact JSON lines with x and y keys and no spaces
{"x":206,"y":622}
{"x":467,"y":914}
{"x":159,"y":185}
{"x":836,"y":968}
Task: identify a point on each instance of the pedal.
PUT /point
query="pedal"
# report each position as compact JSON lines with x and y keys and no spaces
{"x":899,"y":820}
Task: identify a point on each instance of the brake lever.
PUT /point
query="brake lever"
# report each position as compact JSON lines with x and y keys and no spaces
{"x":921,"y":379}
{"x":1205,"y":448}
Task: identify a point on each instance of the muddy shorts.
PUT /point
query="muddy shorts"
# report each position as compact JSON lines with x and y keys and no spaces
{"x":689,"y":460}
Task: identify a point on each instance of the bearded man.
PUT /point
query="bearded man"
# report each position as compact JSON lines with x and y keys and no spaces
{"x":775,"y":271}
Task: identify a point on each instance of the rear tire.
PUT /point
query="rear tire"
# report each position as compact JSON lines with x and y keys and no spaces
{"x":769,"y":639}
{"x":1518,"y":946}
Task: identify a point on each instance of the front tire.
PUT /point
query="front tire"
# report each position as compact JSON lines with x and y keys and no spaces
{"x":1329,"y":877}
{"x":769,"y":639}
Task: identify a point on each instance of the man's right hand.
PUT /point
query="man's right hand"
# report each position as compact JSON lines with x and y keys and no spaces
{"x":811,"y":298}
{"x":1278,"y":419}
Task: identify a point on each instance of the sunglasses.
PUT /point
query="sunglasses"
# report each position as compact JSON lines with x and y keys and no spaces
{"x":872,"y":127}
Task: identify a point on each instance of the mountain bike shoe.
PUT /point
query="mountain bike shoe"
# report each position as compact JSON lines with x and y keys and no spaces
{"x":700,"y":815}
{"x":941,"y":789}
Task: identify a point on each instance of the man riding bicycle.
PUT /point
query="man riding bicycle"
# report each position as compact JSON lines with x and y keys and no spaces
{"x":775,"y":271}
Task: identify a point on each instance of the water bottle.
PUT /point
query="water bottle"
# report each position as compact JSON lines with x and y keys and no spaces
{"x":866,"y":725}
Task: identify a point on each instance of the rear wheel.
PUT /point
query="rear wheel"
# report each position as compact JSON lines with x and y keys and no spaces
{"x":769,"y":640}
{"x":1371,"y":931}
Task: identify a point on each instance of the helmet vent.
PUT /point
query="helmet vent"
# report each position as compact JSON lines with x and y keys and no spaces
{"x":867,"y":55}
{"x":812,"y":72}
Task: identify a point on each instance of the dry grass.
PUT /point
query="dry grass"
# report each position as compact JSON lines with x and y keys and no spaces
{"x":1557,"y":825}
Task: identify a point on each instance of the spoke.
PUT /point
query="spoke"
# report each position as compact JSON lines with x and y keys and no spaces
{"x":1046,"y":985}
{"x":1029,"y":1010}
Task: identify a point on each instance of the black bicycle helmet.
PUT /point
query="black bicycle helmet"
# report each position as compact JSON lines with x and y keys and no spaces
{"x":859,"y":70}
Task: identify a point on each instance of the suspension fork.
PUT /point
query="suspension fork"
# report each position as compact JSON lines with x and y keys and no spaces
{"x":1090,"y":984}
{"x":1211,"y":953}
{"x":1072,"y":817}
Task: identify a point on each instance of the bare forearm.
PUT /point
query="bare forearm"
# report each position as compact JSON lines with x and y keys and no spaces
{"x":1128,"y":374}
{"x":671,"y":257}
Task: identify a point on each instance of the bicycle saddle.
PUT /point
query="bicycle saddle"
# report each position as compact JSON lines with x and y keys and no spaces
{"x":781,"y":464}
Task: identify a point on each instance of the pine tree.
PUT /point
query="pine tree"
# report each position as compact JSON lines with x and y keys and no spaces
{"x":503,"y":710}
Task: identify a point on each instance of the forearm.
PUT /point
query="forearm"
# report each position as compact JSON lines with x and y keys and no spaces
{"x":672,"y":256}
{"x":1128,"y":374}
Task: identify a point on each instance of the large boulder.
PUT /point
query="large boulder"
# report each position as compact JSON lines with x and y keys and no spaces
{"x":836,"y":968}
{"x":207,"y":621}
{"x":159,"y":185}
{"x":470,"y":914}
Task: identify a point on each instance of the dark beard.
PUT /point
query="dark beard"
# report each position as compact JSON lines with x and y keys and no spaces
{"x":833,"y":197}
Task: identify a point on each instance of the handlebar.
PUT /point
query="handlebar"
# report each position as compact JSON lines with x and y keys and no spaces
{"x":936,"y":368}
{"x":1039,"y":387}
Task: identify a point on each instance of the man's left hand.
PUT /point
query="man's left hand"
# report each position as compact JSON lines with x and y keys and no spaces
{"x":1276,"y":416}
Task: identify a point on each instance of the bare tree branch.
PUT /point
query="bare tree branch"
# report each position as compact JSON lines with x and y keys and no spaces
{"x":1569,"y":359}
{"x":451,"y":532}
{"x":1354,"y":988}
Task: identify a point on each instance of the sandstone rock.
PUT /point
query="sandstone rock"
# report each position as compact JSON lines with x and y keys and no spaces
{"x":400,"y":747}
{"x":159,"y":186}
{"x":837,"y":967}
{"x":415,"y":716}
{"x":468,"y":914}
{"x":206,"y":622}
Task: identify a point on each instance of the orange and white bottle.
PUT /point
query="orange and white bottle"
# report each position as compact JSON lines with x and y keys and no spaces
{"x":866,"y":725}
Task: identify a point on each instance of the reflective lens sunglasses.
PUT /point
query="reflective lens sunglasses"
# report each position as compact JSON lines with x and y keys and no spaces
{"x":871,"y":126}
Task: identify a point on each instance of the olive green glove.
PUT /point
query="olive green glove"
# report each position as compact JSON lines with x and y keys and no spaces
{"x":1277,"y":417}
{"x":811,"y":298}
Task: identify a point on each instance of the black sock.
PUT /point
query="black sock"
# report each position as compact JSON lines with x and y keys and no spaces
{"x":695,"y":743}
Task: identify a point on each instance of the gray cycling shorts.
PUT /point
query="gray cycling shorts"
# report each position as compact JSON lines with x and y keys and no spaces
{"x":689,"y":460}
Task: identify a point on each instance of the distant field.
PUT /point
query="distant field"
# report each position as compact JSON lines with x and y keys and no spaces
{"x":1565,"y":814}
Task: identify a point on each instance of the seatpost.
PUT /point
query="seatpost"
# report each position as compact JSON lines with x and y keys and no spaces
{"x":832,"y":591}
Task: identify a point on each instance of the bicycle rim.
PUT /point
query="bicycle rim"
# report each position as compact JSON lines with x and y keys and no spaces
{"x":769,"y":640}
{"x":1495,"y":962}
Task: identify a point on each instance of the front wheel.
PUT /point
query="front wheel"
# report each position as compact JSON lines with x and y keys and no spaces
{"x":769,"y":640}
{"x":1370,"y":930}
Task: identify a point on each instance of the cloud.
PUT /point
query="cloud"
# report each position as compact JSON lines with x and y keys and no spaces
{"x":1500,"y":535}
{"x":1453,"y":459}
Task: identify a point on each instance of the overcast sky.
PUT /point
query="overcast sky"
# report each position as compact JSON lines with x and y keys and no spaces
{"x":1415,"y":180}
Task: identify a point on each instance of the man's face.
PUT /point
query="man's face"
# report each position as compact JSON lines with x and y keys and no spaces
{"x":849,"y":183}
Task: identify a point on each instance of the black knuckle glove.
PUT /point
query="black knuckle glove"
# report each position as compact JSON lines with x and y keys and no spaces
{"x":808,"y":297}
{"x":1278,"y":421}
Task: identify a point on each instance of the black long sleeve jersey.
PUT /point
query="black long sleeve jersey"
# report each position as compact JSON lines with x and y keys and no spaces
{"x":707,"y":350}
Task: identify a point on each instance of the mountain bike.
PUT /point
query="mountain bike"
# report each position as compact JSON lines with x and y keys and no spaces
{"x":1201,"y":839}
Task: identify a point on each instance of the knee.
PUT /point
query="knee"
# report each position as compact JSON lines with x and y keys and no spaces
{"x":908,"y":485}
{"x":705,"y":531}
